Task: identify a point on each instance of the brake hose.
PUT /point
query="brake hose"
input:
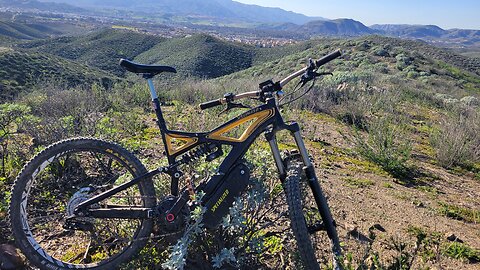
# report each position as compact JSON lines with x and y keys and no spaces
{"x":294,"y":91}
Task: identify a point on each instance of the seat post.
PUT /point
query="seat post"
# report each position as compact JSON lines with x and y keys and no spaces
{"x":156,"y":104}
{"x":153,"y":93}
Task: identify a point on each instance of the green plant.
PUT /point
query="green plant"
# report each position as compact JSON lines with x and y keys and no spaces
{"x":457,"y":142}
{"x":358,"y":183}
{"x":461,"y":251}
{"x":13,"y":118}
{"x":385,"y":145}
{"x":427,"y":243}
{"x":461,"y":213}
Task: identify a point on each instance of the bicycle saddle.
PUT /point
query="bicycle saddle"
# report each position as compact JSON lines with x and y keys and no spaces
{"x":146,"y":69}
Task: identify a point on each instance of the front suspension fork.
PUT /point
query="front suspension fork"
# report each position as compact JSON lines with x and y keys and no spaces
{"x":313,"y":183}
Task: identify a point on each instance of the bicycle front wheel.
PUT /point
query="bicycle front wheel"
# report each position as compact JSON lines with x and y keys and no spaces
{"x":313,"y":243}
{"x":59,"y":178}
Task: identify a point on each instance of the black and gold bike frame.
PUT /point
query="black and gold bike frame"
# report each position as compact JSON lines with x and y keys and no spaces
{"x":262,"y":119}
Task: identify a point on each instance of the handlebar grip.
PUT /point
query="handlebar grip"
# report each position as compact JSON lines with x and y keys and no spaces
{"x":328,"y":58}
{"x":210,"y":104}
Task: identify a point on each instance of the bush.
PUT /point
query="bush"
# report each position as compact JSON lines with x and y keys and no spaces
{"x":462,"y":252}
{"x":385,"y":145}
{"x":14,"y":118}
{"x":457,"y":142}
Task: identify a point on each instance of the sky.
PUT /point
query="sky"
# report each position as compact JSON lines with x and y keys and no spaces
{"x":446,"y":14}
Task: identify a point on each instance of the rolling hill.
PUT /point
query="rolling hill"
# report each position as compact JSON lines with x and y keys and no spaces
{"x":204,"y":56}
{"x":413,"y":31}
{"x":338,"y":27}
{"x":27,"y":69}
{"x":101,"y":49}
{"x":26,"y":31}
{"x":200,"y":55}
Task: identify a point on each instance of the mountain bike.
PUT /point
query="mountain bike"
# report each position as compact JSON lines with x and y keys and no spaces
{"x":86,"y":203}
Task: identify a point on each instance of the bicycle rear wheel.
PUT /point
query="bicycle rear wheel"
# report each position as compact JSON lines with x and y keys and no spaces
{"x":314,"y":246}
{"x":59,"y":178}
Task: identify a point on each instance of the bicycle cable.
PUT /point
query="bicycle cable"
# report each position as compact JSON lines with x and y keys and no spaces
{"x":294,"y":91}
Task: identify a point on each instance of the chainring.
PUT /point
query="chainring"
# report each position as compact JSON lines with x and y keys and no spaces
{"x":175,"y":226}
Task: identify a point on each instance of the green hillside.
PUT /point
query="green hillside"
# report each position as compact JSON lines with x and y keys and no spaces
{"x":200,"y":56}
{"x":205,"y":56}
{"x":100,"y":49}
{"x":379,"y":58}
{"x":25,"y":31}
{"x":23,"y":70}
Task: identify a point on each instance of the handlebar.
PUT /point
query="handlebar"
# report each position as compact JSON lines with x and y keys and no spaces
{"x":327,"y":58}
{"x":322,"y":61}
{"x":220,"y":101}
{"x":318,"y":63}
{"x":211,"y":103}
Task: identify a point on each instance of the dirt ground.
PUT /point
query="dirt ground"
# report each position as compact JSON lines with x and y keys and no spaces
{"x":364,"y":198}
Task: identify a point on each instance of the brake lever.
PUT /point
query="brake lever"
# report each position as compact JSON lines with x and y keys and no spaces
{"x":323,"y":74}
{"x":232,"y":105}
{"x":310,"y":75}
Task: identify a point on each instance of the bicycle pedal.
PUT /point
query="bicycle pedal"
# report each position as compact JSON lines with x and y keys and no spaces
{"x":316,"y":227}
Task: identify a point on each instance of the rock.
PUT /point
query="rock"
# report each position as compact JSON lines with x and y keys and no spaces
{"x":442,"y":96}
{"x":378,"y":227}
{"x":9,"y":258}
{"x":450,"y":101}
{"x":452,"y":237}
{"x":355,"y":234}
{"x":470,"y":101}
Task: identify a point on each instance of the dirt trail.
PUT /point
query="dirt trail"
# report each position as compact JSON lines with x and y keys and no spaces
{"x":361,"y":197}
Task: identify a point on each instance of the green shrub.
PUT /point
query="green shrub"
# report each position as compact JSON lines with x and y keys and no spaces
{"x":385,"y":145}
{"x":460,"y":213}
{"x":462,"y":252}
{"x":457,"y":142}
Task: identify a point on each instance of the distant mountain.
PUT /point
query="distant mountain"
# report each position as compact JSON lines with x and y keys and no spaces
{"x":219,"y":9}
{"x":41,"y":5}
{"x":412,"y":31}
{"x":349,"y":27}
{"x":338,"y":27}
{"x":430,"y":33}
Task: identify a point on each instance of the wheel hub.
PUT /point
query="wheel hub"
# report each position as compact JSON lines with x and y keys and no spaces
{"x":74,"y":222}
{"x":80,"y":196}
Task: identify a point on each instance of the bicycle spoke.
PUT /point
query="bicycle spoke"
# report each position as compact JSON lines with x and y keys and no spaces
{"x":62,"y":180}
